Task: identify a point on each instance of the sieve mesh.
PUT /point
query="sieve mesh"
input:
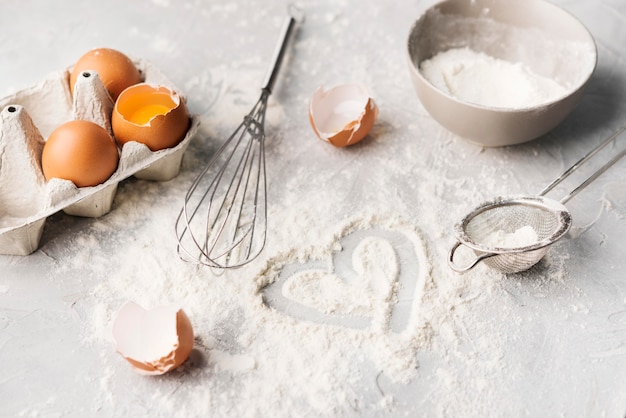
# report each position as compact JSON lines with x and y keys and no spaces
{"x":510,"y":218}
{"x":548,"y":218}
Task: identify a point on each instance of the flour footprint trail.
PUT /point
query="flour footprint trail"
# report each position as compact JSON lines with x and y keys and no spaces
{"x":373,"y":281}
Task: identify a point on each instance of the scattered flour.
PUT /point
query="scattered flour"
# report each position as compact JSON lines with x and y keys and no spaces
{"x":375,"y":263}
{"x":484,"y":80}
{"x":331,"y":320}
{"x":415,"y":342}
{"x":327,"y":293}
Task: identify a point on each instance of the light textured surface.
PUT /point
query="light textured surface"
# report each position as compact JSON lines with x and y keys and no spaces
{"x":549,"y":342}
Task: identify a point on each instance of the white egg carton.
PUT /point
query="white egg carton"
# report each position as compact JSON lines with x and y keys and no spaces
{"x":29,"y":116}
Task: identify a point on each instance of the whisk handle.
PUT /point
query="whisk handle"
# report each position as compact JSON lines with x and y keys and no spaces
{"x":472,"y":263}
{"x":295,"y":15}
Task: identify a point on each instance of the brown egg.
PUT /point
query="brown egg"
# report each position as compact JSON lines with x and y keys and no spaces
{"x":153,"y":341}
{"x":342,"y":115}
{"x":80,"y":151}
{"x":153,"y":115}
{"x":115,"y":69}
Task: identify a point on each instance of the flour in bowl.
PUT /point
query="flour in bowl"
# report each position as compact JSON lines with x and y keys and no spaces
{"x":478,"y":78}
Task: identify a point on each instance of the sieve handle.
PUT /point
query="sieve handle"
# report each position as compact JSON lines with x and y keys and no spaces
{"x":461,"y":269}
{"x":583,"y":160}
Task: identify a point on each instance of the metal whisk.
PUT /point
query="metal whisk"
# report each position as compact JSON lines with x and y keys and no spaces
{"x":549,"y":219}
{"x":223,"y":221}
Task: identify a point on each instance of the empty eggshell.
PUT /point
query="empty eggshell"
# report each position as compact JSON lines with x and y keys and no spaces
{"x":152,"y":115}
{"x":153,"y":341}
{"x":342,"y":115}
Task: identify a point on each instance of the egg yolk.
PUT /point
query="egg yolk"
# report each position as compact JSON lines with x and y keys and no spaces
{"x":142,"y":106}
{"x":144,"y":114}
{"x":152,"y":115}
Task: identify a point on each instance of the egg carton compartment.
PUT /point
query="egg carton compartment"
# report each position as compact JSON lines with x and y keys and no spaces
{"x":30,"y":115}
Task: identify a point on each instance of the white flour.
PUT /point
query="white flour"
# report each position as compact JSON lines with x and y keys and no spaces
{"x":521,"y":237}
{"x":375,"y":264}
{"x":345,"y":313}
{"x":481,"y":79}
{"x":350,"y":310}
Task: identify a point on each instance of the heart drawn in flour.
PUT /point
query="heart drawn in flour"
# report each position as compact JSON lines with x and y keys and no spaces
{"x":373,"y":278}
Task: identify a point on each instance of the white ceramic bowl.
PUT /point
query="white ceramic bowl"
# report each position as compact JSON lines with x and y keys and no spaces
{"x":548,"y":40}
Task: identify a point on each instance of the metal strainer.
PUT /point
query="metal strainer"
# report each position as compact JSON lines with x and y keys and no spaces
{"x":483,"y":228}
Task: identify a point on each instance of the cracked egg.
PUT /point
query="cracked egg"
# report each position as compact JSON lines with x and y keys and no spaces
{"x":153,"y":115}
{"x":342,"y":115}
{"x":153,"y":341}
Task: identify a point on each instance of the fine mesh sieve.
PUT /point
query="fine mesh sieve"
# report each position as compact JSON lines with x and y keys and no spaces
{"x":549,"y":219}
{"x":513,"y":234}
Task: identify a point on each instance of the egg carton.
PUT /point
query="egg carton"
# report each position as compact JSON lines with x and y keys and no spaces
{"x":29,"y":116}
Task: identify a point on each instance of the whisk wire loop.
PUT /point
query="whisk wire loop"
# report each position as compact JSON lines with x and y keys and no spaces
{"x":223,"y":221}
{"x":233,"y":195}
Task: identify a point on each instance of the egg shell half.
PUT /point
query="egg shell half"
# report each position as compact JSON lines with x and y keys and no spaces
{"x":152,"y":115}
{"x":115,"y":69}
{"x":80,"y":151}
{"x":153,"y":341}
{"x":342,"y":115}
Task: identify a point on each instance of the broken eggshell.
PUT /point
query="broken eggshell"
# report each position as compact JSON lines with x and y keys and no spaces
{"x":342,"y":115}
{"x":153,"y":341}
{"x":153,"y":115}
